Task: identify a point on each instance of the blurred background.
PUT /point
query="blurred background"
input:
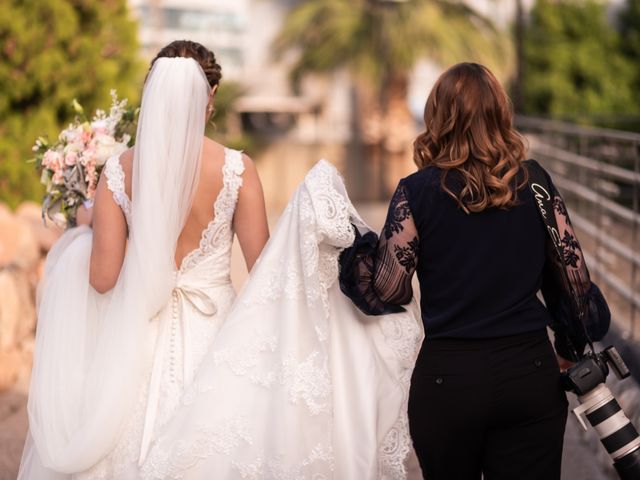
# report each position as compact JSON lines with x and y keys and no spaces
{"x":345,"y":80}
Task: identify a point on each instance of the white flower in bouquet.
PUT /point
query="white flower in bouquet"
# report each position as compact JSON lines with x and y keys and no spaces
{"x":59,"y":220}
{"x":101,"y":126}
{"x":105,"y":147}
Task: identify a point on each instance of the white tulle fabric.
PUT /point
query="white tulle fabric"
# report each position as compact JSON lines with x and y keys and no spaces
{"x":298,"y":384}
{"x":90,"y":350}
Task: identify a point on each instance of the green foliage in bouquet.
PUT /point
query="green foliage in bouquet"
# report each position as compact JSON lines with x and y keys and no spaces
{"x":52,"y":52}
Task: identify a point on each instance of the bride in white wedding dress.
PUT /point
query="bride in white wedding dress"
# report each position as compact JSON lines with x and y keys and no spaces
{"x":165,"y":375}
{"x":109,"y":369}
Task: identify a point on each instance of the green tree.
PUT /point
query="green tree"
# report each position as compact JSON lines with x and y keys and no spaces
{"x":629,"y":26}
{"x":380,"y":41}
{"x":52,"y":51}
{"x":574,"y":68}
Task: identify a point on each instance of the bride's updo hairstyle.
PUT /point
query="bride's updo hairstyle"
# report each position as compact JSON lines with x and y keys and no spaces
{"x":468,"y":129}
{"x":200,"y":53}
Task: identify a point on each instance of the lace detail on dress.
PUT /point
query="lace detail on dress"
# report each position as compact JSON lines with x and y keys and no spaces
{"x":224,"y":439}
{"x":331,"y":211}
{"x":307,"y":380}
{"x":246,"y":361}
{"x":278,"y":470}
{"x":404,"y":336}
{"x":395,"y":450}
{"x":220,"y":227}
{"x":325,"y":229}
{"x":115,"y":183}
{"x":285,"y":280}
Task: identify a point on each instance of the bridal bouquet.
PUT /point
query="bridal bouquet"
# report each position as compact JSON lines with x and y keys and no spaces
{"x":70,"y":167}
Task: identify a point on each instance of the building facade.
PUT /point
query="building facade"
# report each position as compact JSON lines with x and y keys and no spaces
{"x":241,"y":33}
{"x":221,"y":24}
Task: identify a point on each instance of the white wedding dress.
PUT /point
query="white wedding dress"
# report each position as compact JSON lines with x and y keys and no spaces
{"x":109,"y":369}
{"x":184,"y":330}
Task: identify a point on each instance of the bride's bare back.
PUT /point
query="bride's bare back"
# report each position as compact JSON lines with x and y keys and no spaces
{"x":110,"y":228}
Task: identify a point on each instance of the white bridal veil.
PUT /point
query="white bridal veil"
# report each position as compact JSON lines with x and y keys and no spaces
{"x":90,"y":348}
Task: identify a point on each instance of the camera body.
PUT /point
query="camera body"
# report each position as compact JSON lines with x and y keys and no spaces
{"x":599,"y":407}
{"x":592,"y":370}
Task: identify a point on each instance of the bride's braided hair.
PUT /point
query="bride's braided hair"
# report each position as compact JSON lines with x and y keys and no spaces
{"x":200,"y":53}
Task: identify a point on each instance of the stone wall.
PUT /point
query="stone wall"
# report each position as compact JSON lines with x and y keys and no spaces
{"x":24,"y":242}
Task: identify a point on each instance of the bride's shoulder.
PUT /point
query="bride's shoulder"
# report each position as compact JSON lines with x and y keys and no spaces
{"x":126,"y":160}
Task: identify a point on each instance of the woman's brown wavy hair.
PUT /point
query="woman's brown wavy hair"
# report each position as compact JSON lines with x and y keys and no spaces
{"x":468,"y":120}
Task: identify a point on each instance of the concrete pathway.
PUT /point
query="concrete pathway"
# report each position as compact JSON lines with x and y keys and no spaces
{"x":13,"y":429}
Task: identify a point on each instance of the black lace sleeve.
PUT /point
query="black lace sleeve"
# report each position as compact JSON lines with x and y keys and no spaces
{"x":376,"y":272}
{"x":568,"y":294}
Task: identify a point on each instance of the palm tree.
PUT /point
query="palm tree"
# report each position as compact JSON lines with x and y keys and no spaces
{"x":380,"y":42}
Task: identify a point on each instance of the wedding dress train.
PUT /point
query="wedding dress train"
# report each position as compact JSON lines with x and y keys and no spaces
{"x":298,"y":384}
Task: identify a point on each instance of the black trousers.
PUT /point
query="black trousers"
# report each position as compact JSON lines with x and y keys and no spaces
{"x":491,"y":407}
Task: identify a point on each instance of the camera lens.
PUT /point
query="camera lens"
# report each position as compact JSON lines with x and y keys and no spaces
{"x":617,"y":434}
{"x":628,"y":466}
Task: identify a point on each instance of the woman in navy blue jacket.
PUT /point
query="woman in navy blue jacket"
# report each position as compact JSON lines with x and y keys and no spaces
{"x":486,"y":396}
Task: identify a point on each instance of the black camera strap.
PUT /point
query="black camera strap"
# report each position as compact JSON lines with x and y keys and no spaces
{"x":542,"y":193}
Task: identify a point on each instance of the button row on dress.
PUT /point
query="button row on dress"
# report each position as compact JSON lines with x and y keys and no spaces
{"x":172,"y":345}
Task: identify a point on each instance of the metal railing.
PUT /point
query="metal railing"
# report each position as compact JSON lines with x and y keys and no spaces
{"x":598,"y":172}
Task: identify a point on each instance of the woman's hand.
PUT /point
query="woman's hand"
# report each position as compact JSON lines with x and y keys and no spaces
{"x":564,"y":364}
{"x":84,"y":215}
